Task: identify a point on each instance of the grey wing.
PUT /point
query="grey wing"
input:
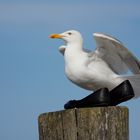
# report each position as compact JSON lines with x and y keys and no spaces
{"x":62,"y":49}
{"x":119,"y":58}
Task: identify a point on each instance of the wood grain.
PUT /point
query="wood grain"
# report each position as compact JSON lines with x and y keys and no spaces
{"x":100,"y":123}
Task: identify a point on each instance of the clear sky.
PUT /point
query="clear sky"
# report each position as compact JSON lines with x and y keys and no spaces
{"x":32,"y":79}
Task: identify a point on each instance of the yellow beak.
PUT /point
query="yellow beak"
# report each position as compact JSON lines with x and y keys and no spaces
{"x":55,"y":36}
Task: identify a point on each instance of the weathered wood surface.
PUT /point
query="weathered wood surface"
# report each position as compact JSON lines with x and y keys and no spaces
{"x":101,"y":123}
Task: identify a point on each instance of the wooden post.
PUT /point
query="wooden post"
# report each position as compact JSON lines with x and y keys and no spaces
{"x":100,"y":123}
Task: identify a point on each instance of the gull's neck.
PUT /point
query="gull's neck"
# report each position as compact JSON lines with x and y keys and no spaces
{"x":75,"y":46}
{"x":73,"y":53}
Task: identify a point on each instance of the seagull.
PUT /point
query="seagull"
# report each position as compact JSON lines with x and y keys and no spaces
{"x":105,"y":67}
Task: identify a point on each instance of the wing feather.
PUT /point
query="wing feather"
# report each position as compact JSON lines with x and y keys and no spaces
{"x":119,"y":58}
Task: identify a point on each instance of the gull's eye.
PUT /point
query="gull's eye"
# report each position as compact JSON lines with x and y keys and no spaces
{"x":69,"y":33}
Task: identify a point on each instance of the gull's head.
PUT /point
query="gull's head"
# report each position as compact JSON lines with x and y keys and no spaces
{"x":70,"y":37}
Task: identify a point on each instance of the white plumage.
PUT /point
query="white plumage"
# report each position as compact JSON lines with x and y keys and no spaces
{"x":103,"y":67}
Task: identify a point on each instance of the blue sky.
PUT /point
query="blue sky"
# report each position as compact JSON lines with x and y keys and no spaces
{"x":32,"y":70}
